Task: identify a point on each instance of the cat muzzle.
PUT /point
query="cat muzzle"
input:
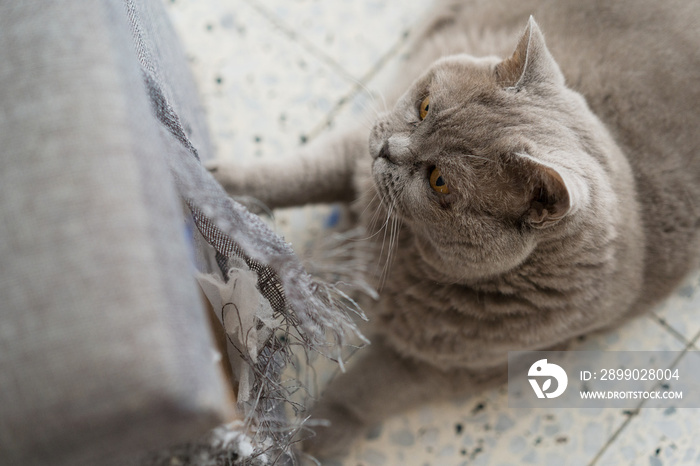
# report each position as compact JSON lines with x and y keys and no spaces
{"x":384,"y":152}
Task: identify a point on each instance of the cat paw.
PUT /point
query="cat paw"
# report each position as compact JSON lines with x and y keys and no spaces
{"x":222,"y":172}
{"x":231,"y":177}
{"x":335,"y":439}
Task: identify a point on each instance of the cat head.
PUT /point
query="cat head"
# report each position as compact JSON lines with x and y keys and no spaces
{"x":483,"y":158}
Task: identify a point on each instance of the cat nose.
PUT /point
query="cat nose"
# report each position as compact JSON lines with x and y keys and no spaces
{"x":384,"y":152}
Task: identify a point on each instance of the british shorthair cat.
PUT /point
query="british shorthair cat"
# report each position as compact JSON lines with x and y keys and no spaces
{"x":533,"y":191}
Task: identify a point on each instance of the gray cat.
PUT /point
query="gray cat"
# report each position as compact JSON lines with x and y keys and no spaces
{"x":532,"y":199}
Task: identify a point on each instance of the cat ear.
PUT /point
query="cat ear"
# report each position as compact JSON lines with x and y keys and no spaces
{"x":553,"y":193}
{"x":549,"y":198}
{"x":531,"y":62}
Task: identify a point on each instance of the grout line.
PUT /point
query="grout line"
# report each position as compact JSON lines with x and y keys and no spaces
{"x":359,"y":86}
{"x":693,"y":342}
{"x":662,"y":322}
{"x":635,"y":412}
{"x":301,"y":40}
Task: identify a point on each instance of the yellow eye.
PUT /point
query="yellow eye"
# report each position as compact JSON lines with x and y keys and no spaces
{"x":437,"y":182}
{"x":424,"y":108}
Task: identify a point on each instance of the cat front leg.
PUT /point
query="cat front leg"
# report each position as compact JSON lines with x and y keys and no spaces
{"x":379,"y":385}
{"x":322,"y":172}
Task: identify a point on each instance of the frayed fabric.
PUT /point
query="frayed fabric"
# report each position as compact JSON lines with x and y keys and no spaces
{"x":264,"y":298}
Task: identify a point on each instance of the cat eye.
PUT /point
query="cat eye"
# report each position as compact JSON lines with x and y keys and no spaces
{"x":424,"y":108}
{"x":437,"y":182}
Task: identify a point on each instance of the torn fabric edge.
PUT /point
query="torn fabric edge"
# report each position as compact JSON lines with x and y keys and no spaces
{"x":268,"y":281}
{"x":316,"y":312}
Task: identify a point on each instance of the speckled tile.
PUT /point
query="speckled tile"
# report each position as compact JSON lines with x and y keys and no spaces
{"x":660,"y":436}
{"x":353,"y":33}
{"x":265,"y":93}
{"x":367,"y":100}
{"x":261,"y":91}
{"x":657,"y":437}
{"x":482,"y":430}
{"x":681,"y":312}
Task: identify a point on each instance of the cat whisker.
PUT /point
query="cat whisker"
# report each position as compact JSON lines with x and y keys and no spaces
{"x":389,"y":255}
{"x":371,"y":94}
{"x":472,"y":156}
{"x":395,"y":248}
{"x":396,"y":224}
{"x":370,"y":106}
{"x":376,"y":216}
{"x":369,"y":191}
{"x":386,"y":107}
{"x":369,"y":115}
{"x":373,"y":222}
{"x":384,"y":227}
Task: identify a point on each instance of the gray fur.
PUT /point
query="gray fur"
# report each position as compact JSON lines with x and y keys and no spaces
{"x":574,"y":177}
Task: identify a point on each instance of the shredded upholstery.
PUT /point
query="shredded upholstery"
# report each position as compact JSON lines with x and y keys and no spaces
{"x":266,"y":301}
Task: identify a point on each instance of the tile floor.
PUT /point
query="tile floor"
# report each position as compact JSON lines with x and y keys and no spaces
{"x":276,"y":73}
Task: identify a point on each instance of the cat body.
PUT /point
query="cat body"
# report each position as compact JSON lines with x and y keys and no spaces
{"x":531,"y":196}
